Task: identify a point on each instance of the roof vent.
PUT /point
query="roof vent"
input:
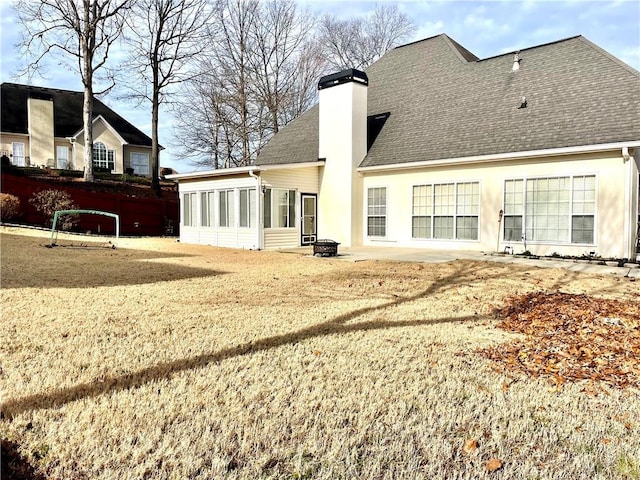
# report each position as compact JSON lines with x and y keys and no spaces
{"x":523,"y":103}
{"x":516,"y":63}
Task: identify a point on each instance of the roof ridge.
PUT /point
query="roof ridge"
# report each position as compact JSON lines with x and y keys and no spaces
{"x":42,"y":88}
{"x":464,"y":54}
{"x":530,"y":48}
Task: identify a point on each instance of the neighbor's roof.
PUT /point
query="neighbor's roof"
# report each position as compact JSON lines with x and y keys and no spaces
{"x":444,"y":103}
{"x":67,"y":112}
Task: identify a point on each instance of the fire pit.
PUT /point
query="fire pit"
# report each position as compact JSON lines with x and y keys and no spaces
{"x":325,"y":248}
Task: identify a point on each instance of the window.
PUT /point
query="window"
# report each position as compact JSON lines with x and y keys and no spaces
{"x":552,"y":209}
{"x":140,"y":163}
{"x":377,"y":212}
{"x":279,"y":208}
{"x":446,"y":211}
{"x":17,"y":154}
{"x":422,"y":211}
{"x":102,"y":158}
{"x":62,"y":157}
{"x":225,"y":208}
{"x":189,"y":210}
{"x":207,"y":209}
{"x":247,"y":207}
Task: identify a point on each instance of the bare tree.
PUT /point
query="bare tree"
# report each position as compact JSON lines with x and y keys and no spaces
{"x":164,"y":37}
{"x":82,"y":30}
{"x":259,"y":74}
{"x":358,"y":42}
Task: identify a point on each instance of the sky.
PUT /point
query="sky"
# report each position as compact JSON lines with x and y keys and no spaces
{"x":486,"y":28}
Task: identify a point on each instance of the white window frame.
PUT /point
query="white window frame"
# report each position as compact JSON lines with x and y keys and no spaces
{"x":454,"y":209}
{"x":146,"y":163}
{"x":226,"y":208}
{"x":375,"y":212}
{"x":272,"y":205}
{"x":575,"y":209}
{"x":247,"y":196}
{"x":190,"y":209}
{"x":18,"y":160}
{"x":109,"y":159}
{"x":64,"y":158}
{"x":207,"y":209}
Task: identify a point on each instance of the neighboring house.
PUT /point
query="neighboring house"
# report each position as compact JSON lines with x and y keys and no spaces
{"x":435,"y":148}
{"x":44,"y":127}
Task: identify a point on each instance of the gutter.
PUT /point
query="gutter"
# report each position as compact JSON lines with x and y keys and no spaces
{"x":259,"y":201}
{"x":501,"y":156}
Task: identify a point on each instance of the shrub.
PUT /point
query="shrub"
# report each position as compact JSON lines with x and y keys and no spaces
{"x":48,"y":202}
{"x":9,"y":206}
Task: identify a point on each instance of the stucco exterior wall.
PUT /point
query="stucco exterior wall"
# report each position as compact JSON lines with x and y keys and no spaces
{"x":6,"y":141}
{"x":612,"y":178}
{"x":40,"y":121}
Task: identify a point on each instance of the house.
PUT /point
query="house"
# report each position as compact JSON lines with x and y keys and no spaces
{"x":44,"y":127}
{"x":432,"y":147}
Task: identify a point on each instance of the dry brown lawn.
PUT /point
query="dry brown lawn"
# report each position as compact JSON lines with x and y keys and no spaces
{"x":163,"y":360}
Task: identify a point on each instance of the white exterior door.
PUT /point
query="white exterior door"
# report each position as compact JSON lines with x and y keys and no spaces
{"x":308,"y":230}
{"x":17,"y":157}
{"x":62,"y":157}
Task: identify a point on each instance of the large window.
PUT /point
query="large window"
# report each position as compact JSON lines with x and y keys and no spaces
{"x":207,"y":209}
{"x":62,"y":156}
{"x":377,"y":212}
{"x":247,"y":207}
{"x":225,"y":208}
{"x":552,"y":209}
{"x":279,"y":208}
{"x":189,"y":212}
{"x":446,"y":211}
{"x":140,"y":163}
{"x":103,"y":158}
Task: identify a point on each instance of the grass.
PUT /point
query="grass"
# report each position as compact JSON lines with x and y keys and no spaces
{"x":163,"y":360}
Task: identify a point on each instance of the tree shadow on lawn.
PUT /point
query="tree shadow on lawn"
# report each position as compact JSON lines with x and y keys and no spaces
{"x":336,"y":326}
{"x":26,"y":263}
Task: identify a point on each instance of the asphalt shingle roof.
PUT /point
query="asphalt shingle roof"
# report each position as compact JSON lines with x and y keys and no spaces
{"x":67,"y":112}
{"x":444,"y":103}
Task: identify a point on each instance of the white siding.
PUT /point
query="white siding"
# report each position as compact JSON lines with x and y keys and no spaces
{"x":303,"y":180}
{"x":611,"y":179}
{"x":233,"y":236}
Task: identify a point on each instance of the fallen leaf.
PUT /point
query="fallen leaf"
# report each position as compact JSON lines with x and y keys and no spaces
{"x":493,"y":465}
{"x":470,"y":446}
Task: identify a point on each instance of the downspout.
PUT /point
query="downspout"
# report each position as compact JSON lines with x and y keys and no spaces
{"x":629,"y":224}
{"x":259,"y":200}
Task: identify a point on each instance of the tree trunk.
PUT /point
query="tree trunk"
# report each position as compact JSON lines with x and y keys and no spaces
{"x":87,"y":113}
{"x":155,"y":149}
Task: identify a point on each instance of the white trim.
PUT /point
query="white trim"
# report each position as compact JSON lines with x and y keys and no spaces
{"x":288,"y":166}
{"x":109,"y":127}
{"x":16,"y":134}
{"x":212,"y":173}
{"x":502,"y":156}
{"x":236,"y":170}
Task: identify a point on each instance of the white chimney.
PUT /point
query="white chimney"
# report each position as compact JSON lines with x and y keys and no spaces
{"x":343,"y":145}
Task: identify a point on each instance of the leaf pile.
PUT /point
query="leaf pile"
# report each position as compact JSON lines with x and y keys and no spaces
{"x":570,"y":338}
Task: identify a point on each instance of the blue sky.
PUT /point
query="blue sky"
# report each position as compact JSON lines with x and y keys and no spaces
{"x":486,"y":28}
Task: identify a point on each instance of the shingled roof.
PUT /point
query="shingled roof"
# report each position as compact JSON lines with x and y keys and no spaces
{"x":67,"y":112}
{"x":444,"y":103}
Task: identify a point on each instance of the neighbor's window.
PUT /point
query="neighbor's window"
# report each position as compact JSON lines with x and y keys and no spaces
{"x":446,"y":211}
{"x":189,"y":212}
{"x":207,"y":209}
{"x":247,"y":207}
{"x":102,"y":157}
{"x":225,"y":208}
{"x":551,"y":209}
{"x":377,"y":212}
{"x":279,"y":208}
{"x":140,"y":163}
